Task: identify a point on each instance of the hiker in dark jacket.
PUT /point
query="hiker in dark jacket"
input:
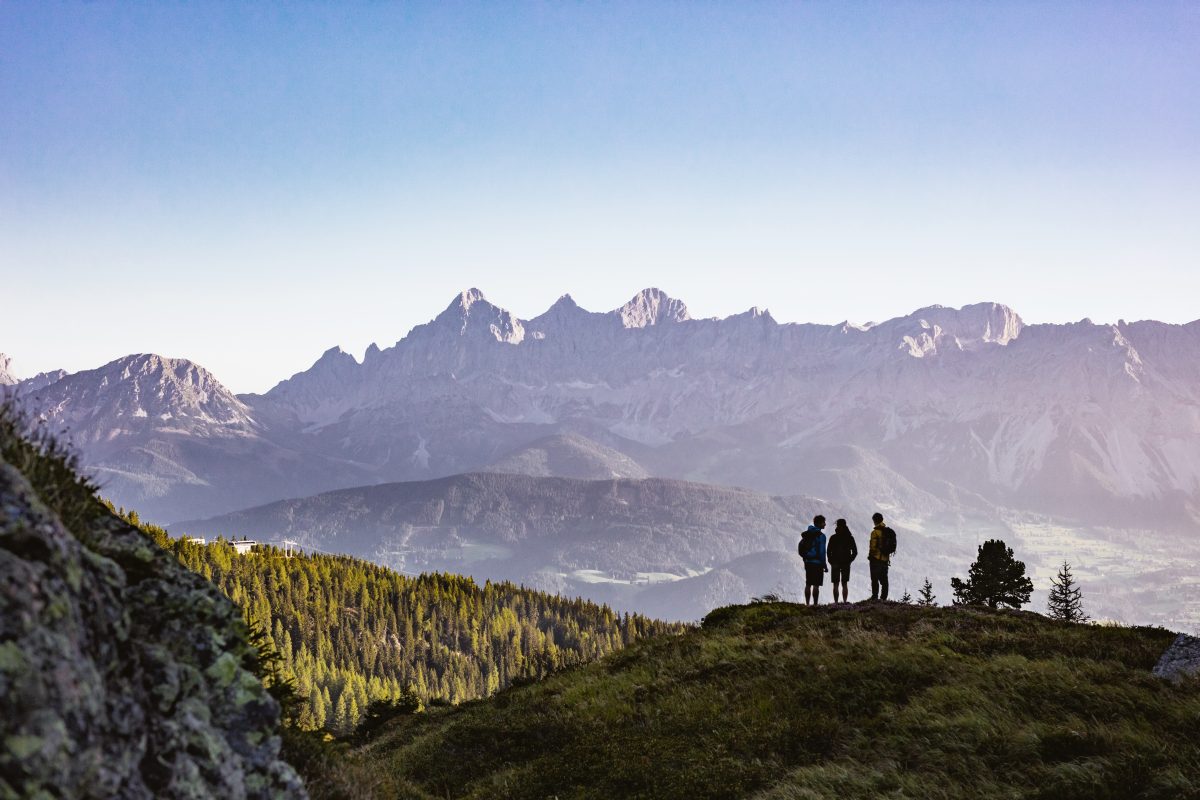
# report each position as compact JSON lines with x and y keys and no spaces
{"x":812,"y":550}
{"x":841,"y":551}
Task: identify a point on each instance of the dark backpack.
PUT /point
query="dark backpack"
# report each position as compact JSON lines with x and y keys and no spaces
{"x":887,"y":542}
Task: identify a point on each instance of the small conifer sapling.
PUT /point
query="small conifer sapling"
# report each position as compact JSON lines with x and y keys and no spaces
{"x":928,"y":598}
{"x":1066,"y":599}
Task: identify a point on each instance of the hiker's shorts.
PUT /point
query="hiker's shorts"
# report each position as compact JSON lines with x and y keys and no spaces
{"x":814,"y":574}
{"x":839,"y":573}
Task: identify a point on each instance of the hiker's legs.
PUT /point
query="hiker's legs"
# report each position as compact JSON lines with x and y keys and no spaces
{"x":808,"y":595}
{"x":816,"y":595}
{"x":883,"y":581}
{"x":875,"y":565}
{"x":835,"y":590}
{"x":845,"y":590}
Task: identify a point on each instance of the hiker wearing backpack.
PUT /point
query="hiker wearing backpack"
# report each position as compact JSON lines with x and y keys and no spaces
{"x":841,"y":551}
{"x":879,"y":556}
{"x":812,"y":550}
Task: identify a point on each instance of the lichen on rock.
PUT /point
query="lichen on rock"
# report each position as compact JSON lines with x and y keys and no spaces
{"x":122,"y":674}
{"x":1181,"y":659}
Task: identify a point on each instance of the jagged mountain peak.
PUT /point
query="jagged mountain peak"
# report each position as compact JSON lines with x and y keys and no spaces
{"x":564,"y":312}
{"x":652,"y":306}
{"x":336,"y":355}
{"x":927,"y":330}
{"x":465,"y":299}
{"x":754,"y":312}
{"x":564,"y":303}
{"x":42,"y":380}
{"x":162,"y":366}
{"x":148,"y":385}
{"x":6,"y":376}
{"x":471,"y":313}
{"x":564,"y":306}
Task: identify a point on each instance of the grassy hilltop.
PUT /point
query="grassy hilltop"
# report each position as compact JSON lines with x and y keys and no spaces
{"x":779,"y":702}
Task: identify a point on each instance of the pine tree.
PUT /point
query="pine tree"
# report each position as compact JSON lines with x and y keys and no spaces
{"x":906,"y":598}
{"x":316,"y":706}
{"x":995,"y":579}
{"x":926,"y":594}
{"x":1066,"y":599}
{"x":342,"y":723}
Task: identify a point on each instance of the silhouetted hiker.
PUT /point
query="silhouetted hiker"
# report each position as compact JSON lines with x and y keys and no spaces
{"x":841,"y":551}
{"x":879,"y":556}
{"x":812,"y":550}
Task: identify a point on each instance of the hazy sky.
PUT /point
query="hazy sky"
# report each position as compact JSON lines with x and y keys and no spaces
{"x":247,"y":185}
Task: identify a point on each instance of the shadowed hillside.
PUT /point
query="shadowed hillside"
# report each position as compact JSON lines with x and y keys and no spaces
{"x":779,"y":702}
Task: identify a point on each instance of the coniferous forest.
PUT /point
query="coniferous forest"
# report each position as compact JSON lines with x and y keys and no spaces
{"x":350,"y":633}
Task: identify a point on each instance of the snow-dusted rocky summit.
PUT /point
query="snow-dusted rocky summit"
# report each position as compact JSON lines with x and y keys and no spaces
{"x":928,"y":413}
{"x":165,"y":437}
{"x":935,"y":415}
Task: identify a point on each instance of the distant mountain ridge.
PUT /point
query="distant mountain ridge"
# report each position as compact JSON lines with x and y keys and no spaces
{"x":1082,"y":420}
{"x":950,"y":420}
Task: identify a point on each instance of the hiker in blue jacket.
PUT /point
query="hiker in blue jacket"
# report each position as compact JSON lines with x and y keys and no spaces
{"x":812,"y":550}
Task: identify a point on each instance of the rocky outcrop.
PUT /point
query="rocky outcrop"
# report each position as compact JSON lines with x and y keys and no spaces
{"x":1181,"y":659}
{"x":121,"y":673}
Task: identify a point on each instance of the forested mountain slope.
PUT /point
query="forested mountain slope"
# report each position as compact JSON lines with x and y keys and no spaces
{"x":351,"y":632}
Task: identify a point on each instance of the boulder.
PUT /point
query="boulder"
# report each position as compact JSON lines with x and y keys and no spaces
{"x":1181,"y":659}
{"x":122,"y":674}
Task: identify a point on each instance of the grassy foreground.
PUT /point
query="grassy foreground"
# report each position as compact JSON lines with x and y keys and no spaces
{"x":779,"y":702}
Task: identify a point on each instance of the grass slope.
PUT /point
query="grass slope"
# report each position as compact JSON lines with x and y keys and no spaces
{"x":779,"y":702}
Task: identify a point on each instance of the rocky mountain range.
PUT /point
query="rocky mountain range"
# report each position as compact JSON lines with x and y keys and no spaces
{"x":952,"y":421}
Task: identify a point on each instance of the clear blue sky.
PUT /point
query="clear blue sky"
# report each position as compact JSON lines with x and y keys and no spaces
{"x":247,"y":185}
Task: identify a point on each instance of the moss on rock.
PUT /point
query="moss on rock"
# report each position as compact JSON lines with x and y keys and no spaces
{"x":121,"y":673}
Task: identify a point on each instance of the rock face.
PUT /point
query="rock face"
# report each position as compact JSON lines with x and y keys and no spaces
{"x":165,"y":437}
{"x":121,"y":673}
{"x":1181,"y":659}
